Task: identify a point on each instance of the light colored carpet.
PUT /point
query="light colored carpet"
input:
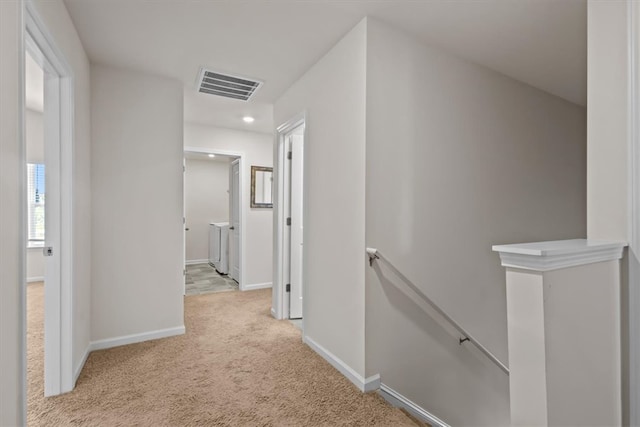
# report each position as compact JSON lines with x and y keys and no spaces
{"x":236,"y":366}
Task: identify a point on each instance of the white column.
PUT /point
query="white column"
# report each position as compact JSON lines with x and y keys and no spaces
{"x":563,"y":310}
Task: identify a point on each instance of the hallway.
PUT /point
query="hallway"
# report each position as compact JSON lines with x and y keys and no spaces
{"x":236,"y":366}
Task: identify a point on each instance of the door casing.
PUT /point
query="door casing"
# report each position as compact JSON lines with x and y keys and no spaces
{"x":235,"y":232}
{"x":59,"y":373}
{"x":280,"y":298}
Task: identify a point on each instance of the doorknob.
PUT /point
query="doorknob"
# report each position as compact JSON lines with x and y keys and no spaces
{"x":232,"y":228}
{"x":186,"y":229}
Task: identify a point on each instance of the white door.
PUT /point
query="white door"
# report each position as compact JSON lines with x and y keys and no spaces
{"x":52,"y":230}
{"x":297,"y":155}
{"x":234,"y":226}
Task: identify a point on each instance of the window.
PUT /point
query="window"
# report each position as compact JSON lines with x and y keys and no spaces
{"x":36,"y":201}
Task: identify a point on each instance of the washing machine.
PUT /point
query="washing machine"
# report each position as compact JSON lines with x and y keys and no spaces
{"x":219,"y":246}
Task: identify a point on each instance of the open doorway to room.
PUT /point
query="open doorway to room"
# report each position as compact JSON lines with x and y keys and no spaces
{"x":48,"y":144}
{"x":36,"y":198}
{"x":213,"y":222}
{"x":289,"y":222}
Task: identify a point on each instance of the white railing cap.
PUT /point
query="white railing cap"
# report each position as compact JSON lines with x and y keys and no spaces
{"x":557,"y":254}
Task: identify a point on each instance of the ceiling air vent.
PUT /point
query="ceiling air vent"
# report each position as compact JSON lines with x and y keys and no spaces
{"x":226,"y":85}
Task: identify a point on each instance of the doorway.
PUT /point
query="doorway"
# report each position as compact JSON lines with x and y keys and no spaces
{"x":203,"y":221}
{"x":288,"y":291}
{"x":56,"y":237}
{"x":35,"y":219}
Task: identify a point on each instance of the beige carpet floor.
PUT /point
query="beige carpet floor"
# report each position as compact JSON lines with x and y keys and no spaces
{"x":236,"y":366}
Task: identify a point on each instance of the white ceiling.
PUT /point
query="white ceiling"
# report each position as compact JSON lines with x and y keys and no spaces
{"x":539,"y":42}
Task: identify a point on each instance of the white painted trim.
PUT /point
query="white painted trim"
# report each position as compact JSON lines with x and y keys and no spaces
{"x":197,"y":261}
{"x":277,"y":299}
{"x":59,"y":305}
{"x":256,"y":286}
{"x":280,"y":307}
{"x":399,"y":401}
{"x":633,"y":156}
{"x":123,"y":340}
{"x":244,"y":171}
{"x":22,"y":224}
{"x":365,"y":385}
{"x":80,"y":365}
{"x":35,"y":279}
{"x":554,"y":255}
{"x":136,"y":338}
{"x":372,"y":383}
{"x":634,"y":125}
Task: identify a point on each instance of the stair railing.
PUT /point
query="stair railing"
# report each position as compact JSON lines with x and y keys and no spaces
{"x":374,"y":254}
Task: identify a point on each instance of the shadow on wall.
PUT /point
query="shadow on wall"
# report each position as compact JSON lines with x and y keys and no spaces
{"x":424,"y":317}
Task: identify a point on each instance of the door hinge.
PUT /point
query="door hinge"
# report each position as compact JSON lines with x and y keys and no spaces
{"x":184,"y":220}
{"x":288,"y":287}
{"x":290,"y":155}
{"x":184,"y":272}
{"x":289,"y":221}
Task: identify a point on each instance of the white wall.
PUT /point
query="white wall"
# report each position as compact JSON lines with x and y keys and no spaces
{"x":56,"y":18}
{"x":206,"y":196}
{"x":458,"y":158}
{"x":576,"y":398}
{"x":609,"y":153}
{"x":607,"y":98}
{"x":12,"y":381}
{"x":258,"y":151}
{"x":333,"y":94}
{"x":136,"y":188}
{"x":34,"y":136}
{"x":35,"y":265}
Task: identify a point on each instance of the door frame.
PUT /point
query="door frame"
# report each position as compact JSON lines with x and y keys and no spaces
{"x":237,"y":200}
{"x":241,"y":195}
{"x":59,"y":373}
{"x":633,"y":226}
{"x":280,"y":308}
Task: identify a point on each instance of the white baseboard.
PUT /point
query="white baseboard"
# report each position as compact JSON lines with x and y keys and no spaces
{"x":399,"y":401}
{"x":136,"y":338}
{"x":35,"y":279}
{"x":76,"y":372}
{"x":196,"y":261}
{"x":256,"y":286}
{"x":365,"y":385}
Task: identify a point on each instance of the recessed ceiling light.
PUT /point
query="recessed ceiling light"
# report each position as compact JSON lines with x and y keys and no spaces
{"x":212,"y":155}
{"x":248,"y":119}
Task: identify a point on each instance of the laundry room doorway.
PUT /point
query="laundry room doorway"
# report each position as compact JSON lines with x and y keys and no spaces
{"x":213,"y":241}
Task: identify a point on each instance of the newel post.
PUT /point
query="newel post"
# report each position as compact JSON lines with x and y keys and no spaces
{"x":563,"y":311}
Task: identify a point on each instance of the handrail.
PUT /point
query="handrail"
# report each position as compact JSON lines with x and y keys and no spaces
{"x":375,"y":254}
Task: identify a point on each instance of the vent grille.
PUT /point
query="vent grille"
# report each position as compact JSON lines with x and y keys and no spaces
{"x":226,"y":85}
